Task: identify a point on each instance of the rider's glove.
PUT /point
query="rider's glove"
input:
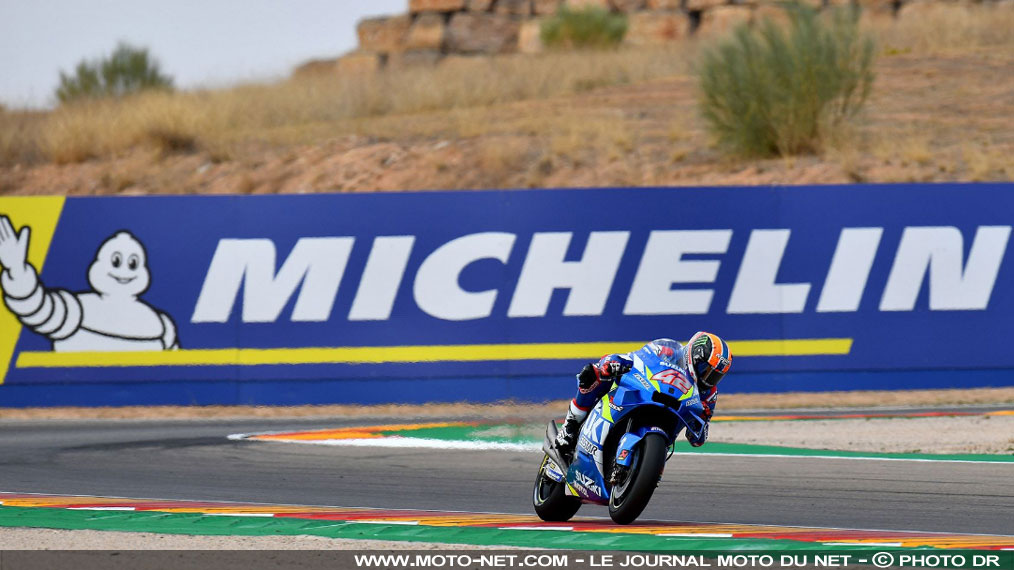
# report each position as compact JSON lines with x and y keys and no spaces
{"x":604,"y":370}
{"x":611,"y":369}
{"x":587,"y":379}
{"x":708,"y":411}
{"x":708,"y":402}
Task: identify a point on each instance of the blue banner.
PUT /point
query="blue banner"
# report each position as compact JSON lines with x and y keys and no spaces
{"x":446,"y":296}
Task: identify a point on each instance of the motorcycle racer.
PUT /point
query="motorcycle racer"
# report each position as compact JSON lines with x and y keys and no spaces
{"x":705,"y":359}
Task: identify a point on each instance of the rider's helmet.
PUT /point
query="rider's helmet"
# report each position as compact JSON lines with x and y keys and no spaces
{"x":708,"y":359}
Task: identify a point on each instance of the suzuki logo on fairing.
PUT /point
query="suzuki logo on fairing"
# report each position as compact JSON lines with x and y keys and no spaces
{"x":587,"y":482}
{"x":675,"y":275}
{"x":597,"y":428}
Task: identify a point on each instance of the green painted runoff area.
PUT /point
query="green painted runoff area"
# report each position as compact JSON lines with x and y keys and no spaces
{"x":199,"y":524}
{"x":522,"y":434}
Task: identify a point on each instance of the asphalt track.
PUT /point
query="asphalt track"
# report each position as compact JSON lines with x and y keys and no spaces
{"x":194,"y":460}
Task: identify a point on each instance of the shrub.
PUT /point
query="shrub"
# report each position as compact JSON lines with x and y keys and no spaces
{"x":586,"y":28}
{"x":128,"y":70}
{"x":779,"y":89}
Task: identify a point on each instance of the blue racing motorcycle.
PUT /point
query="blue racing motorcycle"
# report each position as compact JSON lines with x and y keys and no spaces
{"x":623,"y":445}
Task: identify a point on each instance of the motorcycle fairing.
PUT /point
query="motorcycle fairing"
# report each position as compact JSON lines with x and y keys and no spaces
{"x":553,"y":471}
{"x":585,"y":473}
{"x":638,"y":388}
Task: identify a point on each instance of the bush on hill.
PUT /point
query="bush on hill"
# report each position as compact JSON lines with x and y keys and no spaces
{"x":592,"y":27}
{"x":127,"y":70}
{"x":780,"y":90}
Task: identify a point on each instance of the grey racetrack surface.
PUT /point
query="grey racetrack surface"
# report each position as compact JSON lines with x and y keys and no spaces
{"x":194,"y":460}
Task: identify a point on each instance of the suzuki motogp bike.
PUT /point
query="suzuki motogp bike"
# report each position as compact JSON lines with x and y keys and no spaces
{"x":623,"y":444}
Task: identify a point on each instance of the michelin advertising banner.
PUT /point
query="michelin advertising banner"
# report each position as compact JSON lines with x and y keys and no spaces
{"x":482,"y":296}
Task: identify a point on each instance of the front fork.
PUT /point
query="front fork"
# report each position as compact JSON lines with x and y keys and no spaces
{"x":625,"y":451}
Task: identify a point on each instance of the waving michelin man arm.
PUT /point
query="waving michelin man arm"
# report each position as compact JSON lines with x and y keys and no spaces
{"x":17,"y":273}
{"x":169,"y":339}
{"x":52,"y":313}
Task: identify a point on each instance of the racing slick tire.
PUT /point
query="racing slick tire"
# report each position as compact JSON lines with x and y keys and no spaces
{"x":630,"y":496}
{"x":550,"y":499}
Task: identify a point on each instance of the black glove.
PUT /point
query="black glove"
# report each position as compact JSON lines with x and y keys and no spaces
{"x":587,"y":378}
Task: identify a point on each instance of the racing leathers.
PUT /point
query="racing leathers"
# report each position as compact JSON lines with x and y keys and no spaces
{"x":596,"y":379}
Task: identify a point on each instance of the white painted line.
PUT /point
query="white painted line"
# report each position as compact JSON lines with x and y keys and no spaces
{"x":238,"y":514}
{"x":790,"y":456}
{"x":100,"y":508}
{"x":258,"y":503}
{"x":697,"y":534}
{"x":861,"y":543}
{"x":406,"y":523}
{"x":418,"y":443}
{"x":427,"y":443}
{"x":536,"y":528}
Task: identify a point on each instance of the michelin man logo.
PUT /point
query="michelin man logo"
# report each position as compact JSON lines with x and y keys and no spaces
{"x":110,"y":317}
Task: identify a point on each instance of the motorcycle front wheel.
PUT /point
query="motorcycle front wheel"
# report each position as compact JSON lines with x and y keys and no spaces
{"x":630,"y":496}
{"x":550,"y":499}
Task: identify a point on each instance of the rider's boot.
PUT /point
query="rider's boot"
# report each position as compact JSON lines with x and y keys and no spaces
{"x":566,"y":437}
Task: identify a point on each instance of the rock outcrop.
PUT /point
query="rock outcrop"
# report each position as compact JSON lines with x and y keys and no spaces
{"x":434,"y":29}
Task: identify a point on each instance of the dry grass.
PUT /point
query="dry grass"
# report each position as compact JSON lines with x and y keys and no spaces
{"x":500,"y":157}
{"x":19,"y":136}
{"x":576,"y":138}
{"x":935,"y":28}
{"x":916,"y":150}
{"x":984,"y":162}
{"x":165,"y":121}
{"x":305,"y":109}
{"x":906,"y":148}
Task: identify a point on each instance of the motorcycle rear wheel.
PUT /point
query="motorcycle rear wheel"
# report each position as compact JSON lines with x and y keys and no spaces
{"x":629,"y":497}
{"x":550,"y":499}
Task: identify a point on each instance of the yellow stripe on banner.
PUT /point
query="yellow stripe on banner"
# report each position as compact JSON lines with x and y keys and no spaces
{"x":40,"y":214}
{"x":395,"y":354}
{"x":791,"y":347}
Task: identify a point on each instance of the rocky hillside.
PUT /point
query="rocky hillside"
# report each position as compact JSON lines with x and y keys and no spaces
{"x":940,"y":110}
{"x":435,"y":29}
